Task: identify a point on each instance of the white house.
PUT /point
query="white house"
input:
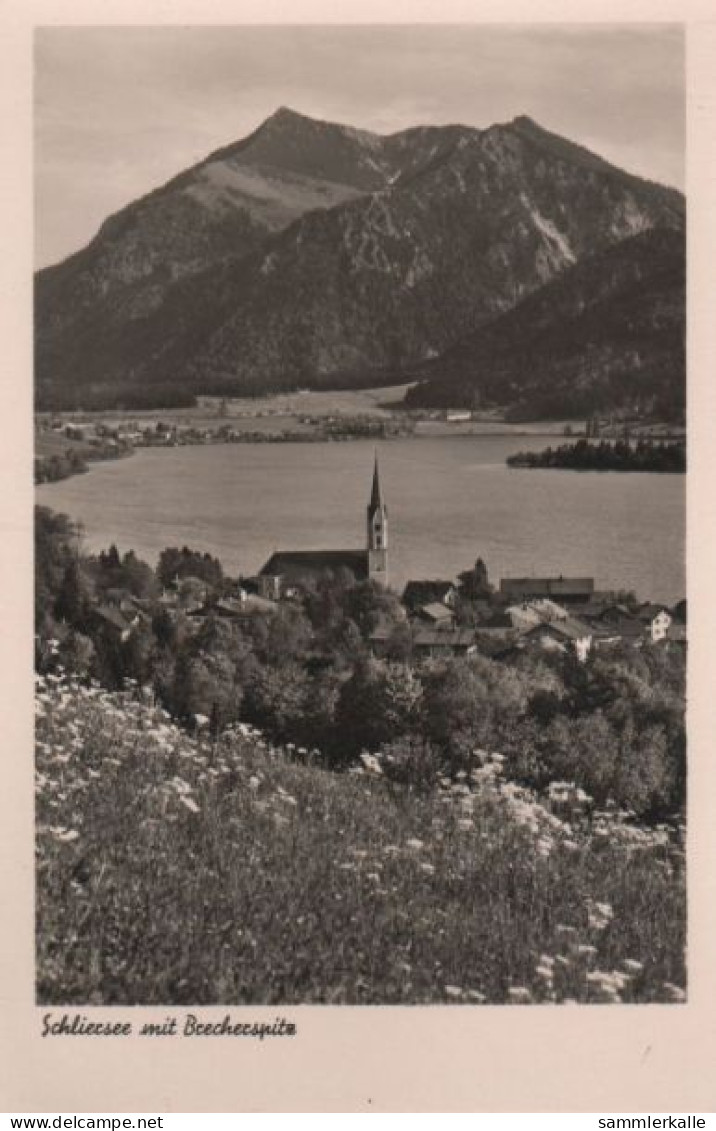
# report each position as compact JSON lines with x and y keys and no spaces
{"x":656,"y":620}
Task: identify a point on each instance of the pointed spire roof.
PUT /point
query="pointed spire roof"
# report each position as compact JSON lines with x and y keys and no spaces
{"x":376,"y":495}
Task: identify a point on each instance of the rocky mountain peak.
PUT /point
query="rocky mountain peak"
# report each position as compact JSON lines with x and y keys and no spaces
{"x":312,"y":253}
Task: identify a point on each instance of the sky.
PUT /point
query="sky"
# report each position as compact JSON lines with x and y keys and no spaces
{"x":120,"y":110}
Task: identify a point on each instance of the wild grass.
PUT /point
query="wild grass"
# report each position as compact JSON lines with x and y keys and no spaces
{"x":175,"y":870}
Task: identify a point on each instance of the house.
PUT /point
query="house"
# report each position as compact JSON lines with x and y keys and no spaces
{"x":559,"y":636}
{"x":120,"y":598}
{"x":616,"y":624}
{"x":445,"y":642}
{"x":564,"y":590}
{"x":436,"y":614}
{"x":530,"y":613}
{"x":116,"y":623}
{"x":676,"y":635}
{"x":78,"y":430}
{"x":287,"y":570}
{"x":233,"y":608}
{"x":655,"y":619}
{"x":420,"y":593}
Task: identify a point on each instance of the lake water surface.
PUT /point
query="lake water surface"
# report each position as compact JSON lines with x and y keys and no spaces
{"x":450,"y":500}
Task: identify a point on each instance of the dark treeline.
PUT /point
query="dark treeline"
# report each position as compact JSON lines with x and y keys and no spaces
{"x":74,"y":461}
{"x":101,"y":398}
{"x":619,"y":455}
{"x":303,"y":672}
{"x":50,"y":469}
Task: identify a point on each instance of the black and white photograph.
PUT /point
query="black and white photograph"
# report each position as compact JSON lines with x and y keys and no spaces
{"x":360,"y":501}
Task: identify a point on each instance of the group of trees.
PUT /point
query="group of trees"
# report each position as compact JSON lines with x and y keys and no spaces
{"x":305,"y":674}
{"x":619,"y":455}
{"x":50,"y":469}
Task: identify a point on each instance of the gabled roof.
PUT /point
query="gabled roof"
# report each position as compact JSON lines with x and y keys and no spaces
{"x":548,"y":586}
{"x":113,"y":617}
{"x":427,"y":591}
{"x":435,"y":611}
{"x":615,"y":612}
{"x":569,"y":629}
{"x":621,"y":626}
{"x":297,"y":565}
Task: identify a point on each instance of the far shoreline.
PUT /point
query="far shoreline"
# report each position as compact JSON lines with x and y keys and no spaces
{"x":72,"y":441}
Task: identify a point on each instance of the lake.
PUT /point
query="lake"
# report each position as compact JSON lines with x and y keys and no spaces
{"x":450,"y":500}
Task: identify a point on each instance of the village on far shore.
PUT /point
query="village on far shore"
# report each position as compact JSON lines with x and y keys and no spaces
{"x":66,"y":443}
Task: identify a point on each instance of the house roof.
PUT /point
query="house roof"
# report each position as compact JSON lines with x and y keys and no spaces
{"x":523,"y":614}
{"x":595,"y":608}
{"x":435,"y":611}
{"x":621,"y":626}
{"x":569,"y":629}
{"x":454,"y":638}
{"x":427,"y":591}
{"x":648,"y":611}
{"x":113,"y":617}
{"x":548,"y":586}
{"x":298,"y":565}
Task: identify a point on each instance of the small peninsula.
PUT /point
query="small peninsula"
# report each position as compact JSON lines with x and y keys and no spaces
{"x":619,"y":455}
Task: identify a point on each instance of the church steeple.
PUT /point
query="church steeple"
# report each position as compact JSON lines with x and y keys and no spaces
{"x":377,"y":531}
{"x":376,"y":498}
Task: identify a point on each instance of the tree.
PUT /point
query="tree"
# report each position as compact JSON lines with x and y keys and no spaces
{"x":202,"y":681}
{"x":175,"y":564}
{"x":72,"y":603}
{"x":109,"y":559}
{"x":456,"y":707}
{"x":368,"y":604}
{"x":76,"y":653}
{"x":55,"y":548}
{"x":140,"y":654}
{"x":378,"y":703}
{"x":474,"y":583}
{"x":276,"y":699}
{"x":137,"y":576}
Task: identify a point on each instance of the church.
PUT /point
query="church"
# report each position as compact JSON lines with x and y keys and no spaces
{"x":288,"y":569}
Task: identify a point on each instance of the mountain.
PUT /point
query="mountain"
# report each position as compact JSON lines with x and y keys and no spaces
{"x":607,"y":333}
{"x":312,"y":254}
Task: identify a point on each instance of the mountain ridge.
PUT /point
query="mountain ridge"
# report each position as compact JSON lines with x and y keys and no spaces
{"x":310,"y":252}
{"x":631,"y":296}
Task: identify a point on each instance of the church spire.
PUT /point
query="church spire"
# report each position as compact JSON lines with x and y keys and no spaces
{"x":377,"y":531}
{"x":376,"y":497}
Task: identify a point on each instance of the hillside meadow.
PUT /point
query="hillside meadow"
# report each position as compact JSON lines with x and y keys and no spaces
{"x":176,"y":868}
